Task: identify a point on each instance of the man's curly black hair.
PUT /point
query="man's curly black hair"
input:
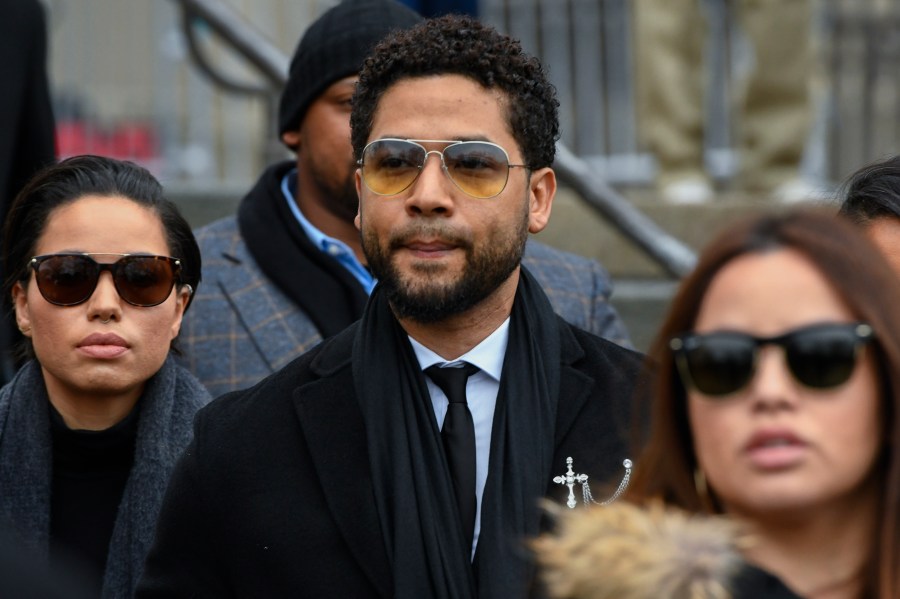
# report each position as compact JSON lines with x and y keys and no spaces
{"x":460,"y":45}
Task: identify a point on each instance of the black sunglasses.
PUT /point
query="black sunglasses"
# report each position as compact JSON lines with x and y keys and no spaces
{"x":70,"y":279}
{"x":478,"y":168}
{"x":820,"y":356}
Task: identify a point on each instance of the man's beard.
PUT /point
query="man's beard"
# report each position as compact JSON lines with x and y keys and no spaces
{"x":343,"y":200}
{"x":417,"y":297}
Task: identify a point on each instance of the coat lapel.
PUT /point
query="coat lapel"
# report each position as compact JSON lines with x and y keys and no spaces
{"x":575,"y":386}
{"x":333,"y":426}
{"x":592,"y":421}
{"x":274,"y":324}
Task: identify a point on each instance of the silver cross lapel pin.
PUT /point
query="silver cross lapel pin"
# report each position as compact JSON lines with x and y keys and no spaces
{"x":569,"y":479}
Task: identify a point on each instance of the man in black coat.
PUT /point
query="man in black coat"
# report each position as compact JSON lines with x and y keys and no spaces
{"x":26,"y":114}
{"x":26,"y":121}
{"x":361,"y":469}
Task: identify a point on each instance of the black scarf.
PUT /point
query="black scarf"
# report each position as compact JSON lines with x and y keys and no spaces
{"x":315,"y":281}
{"x":413,"y":489}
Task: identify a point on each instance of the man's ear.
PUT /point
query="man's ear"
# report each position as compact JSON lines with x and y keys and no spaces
{"x":291,"y":139}
{"x":542,"y":190}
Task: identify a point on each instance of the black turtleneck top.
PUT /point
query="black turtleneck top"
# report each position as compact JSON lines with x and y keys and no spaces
{"x":90,"y":469}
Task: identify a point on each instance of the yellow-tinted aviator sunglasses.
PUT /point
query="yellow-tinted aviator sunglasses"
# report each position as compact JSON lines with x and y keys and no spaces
{"x":478,"y":168}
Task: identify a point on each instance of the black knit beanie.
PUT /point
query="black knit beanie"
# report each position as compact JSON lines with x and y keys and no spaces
{"x":334,"y":47}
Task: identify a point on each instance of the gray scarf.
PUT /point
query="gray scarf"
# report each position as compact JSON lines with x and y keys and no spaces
{"x":168,"y":404}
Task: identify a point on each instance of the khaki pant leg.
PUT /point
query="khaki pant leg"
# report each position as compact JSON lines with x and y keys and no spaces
{"x":669,"y":41}
{"x":776,"y":113}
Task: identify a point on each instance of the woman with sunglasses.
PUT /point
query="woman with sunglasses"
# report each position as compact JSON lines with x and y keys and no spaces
{"x":776,"y":403}
{"x":100,"y":269}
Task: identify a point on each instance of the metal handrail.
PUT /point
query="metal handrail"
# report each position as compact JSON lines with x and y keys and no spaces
{"x":205,"y":65}
{"x":667,"y":251}
{"x":676,"y":258}
{"x":240,"y":34}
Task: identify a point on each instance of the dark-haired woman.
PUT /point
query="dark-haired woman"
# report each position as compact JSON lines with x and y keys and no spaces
{"x":776,"y":403}
{"x":101,"y":268}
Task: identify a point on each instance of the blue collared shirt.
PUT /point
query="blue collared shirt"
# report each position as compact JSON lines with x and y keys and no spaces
{"x":481,"y":395}
{"x":335,"y":248}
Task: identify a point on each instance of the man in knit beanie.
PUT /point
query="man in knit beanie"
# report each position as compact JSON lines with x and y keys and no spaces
{"x":288,"y":270}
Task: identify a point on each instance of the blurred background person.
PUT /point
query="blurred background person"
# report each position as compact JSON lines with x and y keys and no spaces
{"x":100,"y":270}
{"x":871,"y":198}
{"x":774,"y":110}
{"x":255,"y":314}
{"x":26,"y":122}
{"x":776,"y":402}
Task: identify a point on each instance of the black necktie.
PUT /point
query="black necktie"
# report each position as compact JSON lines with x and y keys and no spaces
{"x":458,"y":434}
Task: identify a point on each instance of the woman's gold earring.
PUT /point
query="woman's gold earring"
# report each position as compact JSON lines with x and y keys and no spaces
{"x":702,"y":489}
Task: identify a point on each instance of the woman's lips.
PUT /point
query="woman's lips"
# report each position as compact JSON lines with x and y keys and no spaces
{"x":103,"y":345}
{"x":775,"y":449}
